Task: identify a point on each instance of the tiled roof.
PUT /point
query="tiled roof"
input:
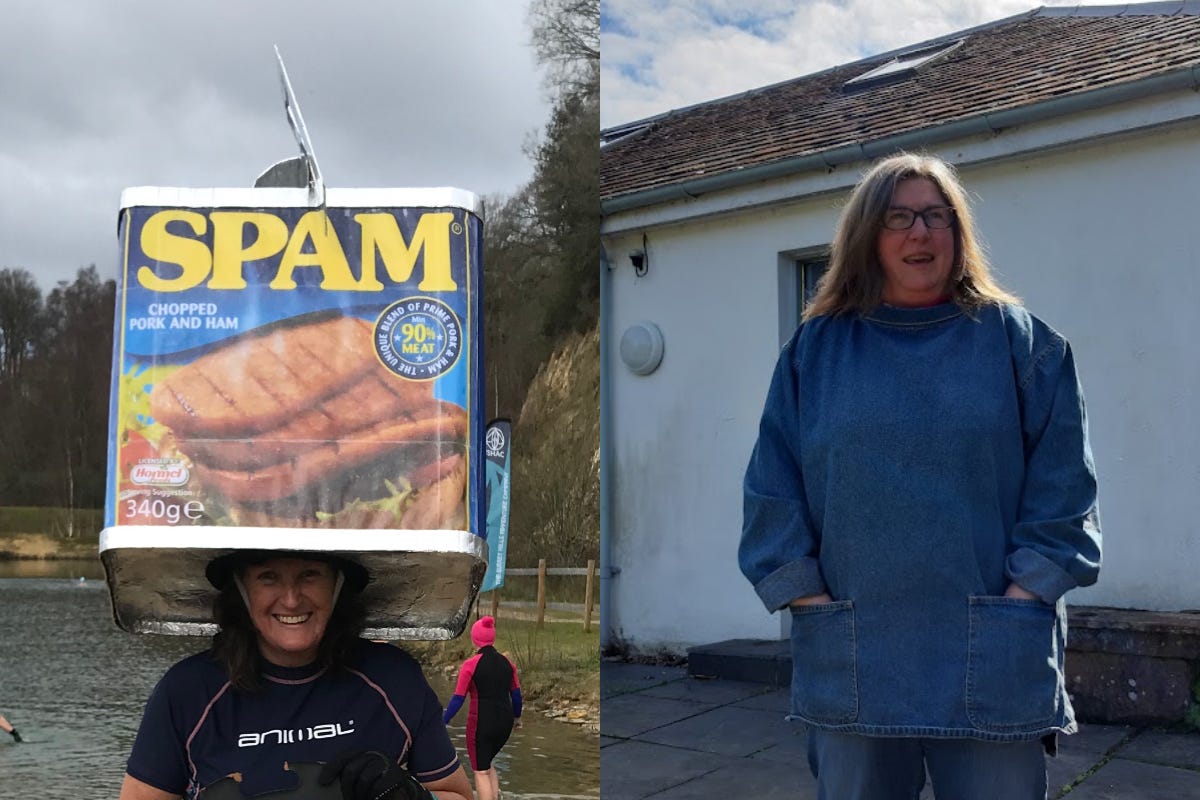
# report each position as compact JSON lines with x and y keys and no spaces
{"x":1046,"y":54}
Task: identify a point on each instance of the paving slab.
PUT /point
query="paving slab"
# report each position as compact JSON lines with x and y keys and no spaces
{"x":619,"y":678}
{"x":1158,"y":747}
{"x":790,"y":750}
{"x":708,"y":691}
{"x":1067,"y":767}
{"x":766,"y":781}
{"x":629,"y":715}
{"x":1098,"y":739}
{"x":1132,"y":780}
{"x":778,"y":700}
{"x":726,"y":731}
{"x":666,"y":735}
{"x":634,"y":770}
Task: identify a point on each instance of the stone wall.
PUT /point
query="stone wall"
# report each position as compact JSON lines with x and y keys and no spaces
{"x":1132,"y":667}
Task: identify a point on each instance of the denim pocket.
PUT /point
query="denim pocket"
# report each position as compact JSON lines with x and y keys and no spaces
{"x":824,"y":670}
{"x":1014,"y":667}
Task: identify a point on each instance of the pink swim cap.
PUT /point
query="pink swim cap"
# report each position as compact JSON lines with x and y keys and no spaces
{"x":483,"y":632}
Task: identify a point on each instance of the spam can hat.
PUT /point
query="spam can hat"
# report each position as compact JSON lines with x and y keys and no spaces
{"x":220,"y":569}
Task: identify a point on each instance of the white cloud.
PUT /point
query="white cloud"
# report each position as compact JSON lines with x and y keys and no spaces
{"x":665,"y":55}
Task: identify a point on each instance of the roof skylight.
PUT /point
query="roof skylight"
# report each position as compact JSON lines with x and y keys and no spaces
{"x":900,"y":67}
{"x":610,"y":135}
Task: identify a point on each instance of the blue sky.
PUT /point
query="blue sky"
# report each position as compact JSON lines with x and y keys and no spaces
{"x":656,"y":55}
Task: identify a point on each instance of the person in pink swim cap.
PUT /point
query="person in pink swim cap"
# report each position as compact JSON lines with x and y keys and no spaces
{"x":491,"y":681}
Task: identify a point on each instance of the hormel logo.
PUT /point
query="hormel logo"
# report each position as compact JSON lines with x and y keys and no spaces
{"x":171,"y":473}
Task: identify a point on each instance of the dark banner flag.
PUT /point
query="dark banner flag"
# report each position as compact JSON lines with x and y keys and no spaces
{"x":496,"y":441}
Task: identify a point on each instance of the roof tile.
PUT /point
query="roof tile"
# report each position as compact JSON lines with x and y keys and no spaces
{"x":1008,"y":64}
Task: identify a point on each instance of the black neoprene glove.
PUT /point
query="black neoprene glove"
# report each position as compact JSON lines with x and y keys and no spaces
{"x":370,"y":775}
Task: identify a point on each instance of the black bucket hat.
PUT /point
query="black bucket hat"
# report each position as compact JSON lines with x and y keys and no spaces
{"x":220,"y":569}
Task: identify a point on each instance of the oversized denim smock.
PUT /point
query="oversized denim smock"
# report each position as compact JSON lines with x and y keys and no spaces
{"x":912,"y":463}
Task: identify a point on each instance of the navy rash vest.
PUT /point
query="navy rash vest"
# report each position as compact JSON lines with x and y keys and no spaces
{"x":198,"y":729}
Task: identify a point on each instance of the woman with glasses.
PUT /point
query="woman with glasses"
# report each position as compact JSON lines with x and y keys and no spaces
{"x":920,"y":497}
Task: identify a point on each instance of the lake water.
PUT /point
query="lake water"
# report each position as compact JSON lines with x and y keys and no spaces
{"x":74,"y":684}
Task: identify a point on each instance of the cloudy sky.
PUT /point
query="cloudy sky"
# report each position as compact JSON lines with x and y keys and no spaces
{"x":657,"y":55}
{"x":99,"y":96}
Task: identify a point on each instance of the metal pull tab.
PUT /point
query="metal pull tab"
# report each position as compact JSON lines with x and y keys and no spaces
{"x":300,"y":171}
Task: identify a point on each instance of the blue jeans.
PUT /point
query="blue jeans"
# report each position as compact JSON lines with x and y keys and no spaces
{"x":851,"y":766}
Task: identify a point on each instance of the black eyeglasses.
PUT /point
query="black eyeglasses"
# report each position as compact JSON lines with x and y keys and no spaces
{"x":898,"y":218}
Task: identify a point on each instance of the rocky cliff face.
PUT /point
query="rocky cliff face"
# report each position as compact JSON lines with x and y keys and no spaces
{"x":556,"y":459}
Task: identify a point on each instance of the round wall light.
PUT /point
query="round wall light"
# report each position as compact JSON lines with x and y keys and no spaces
{"x":642,"y":348}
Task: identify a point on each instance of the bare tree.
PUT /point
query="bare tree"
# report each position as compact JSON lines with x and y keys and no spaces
{"x":74,"y":370}
{"x":20,"y":318}
{"x":566,"y":38}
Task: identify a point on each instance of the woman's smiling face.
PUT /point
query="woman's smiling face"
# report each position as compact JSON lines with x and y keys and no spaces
{"x":290,"y":601}
{"x":916,"y":262}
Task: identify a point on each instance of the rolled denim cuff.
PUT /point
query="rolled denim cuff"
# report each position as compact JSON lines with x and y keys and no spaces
{"x":799,"y":578}
{"x":1032,"y":571}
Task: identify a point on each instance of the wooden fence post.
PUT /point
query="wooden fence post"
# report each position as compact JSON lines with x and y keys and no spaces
{"x":587,"y":596}
{"x":495,"y":602}
{"x":541,"y":593}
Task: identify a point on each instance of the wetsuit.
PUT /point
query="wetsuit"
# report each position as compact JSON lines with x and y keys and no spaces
{"x":491,"y":680}
{"x":197,"y":728}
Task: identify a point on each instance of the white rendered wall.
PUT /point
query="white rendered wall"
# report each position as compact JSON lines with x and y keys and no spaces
{"x":1099,"y":241}
{"x":1102,"y":244}
{"x":682,"y":435}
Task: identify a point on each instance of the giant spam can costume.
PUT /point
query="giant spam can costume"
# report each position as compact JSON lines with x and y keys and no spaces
{"x":290,"y":377}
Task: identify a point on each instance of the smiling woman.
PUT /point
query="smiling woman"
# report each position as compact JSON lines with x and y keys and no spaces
{"x":289,"y":603}
{"x":279,"y":609}
{"x":291,"y":700}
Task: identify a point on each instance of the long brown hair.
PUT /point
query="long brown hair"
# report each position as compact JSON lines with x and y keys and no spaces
{"x":235,"y":645}
{"x":854,"y":281}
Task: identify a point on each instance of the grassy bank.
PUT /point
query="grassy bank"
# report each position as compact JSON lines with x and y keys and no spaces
{"x":559,"y":665}
{"x":49,"y":533}
{"x":18,"y":546}
{"x":63,"y":522}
